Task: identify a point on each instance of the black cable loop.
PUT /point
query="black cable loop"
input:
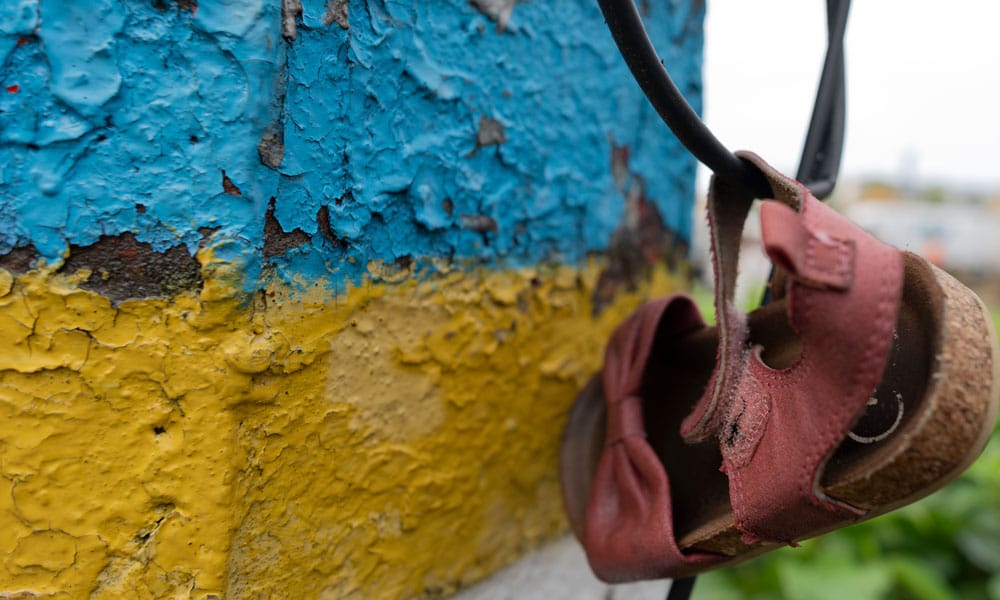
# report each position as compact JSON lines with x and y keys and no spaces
{"x":821,"y":152}
{"x":824,"y":141}
{"x":824,"y":144}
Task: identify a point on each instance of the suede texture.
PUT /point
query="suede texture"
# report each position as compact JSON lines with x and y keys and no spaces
{"x":778,"y":427}
{"x":629,"y":532}
{"x":775,"y":426}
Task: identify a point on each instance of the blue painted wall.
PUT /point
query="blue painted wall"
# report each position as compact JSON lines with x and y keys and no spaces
{"x":421,"y":130}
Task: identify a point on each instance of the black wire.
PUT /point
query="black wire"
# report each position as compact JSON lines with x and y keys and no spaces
{"x":824,"y":145}
{"x":630,"y":35}
{"x":680,"y":589}
{"x":821,"y":152}
{"x":824,"y":141}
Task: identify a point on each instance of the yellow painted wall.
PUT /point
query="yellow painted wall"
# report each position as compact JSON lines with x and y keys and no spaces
{"x":396,"y":441}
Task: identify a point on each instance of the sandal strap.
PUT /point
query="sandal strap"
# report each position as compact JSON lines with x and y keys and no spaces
{"x":843,"y":296}
{"x":777,"y":428}
{"x":812,"y":256}
{"x":728,"y":207}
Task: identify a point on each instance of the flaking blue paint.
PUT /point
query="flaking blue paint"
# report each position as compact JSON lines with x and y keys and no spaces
{"x":122,"y":104}
{"x":18,"y":16}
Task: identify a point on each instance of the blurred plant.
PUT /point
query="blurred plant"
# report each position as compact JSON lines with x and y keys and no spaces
{"x":946,"y":546}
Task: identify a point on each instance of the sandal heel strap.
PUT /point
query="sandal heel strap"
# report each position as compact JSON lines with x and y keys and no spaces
{"x":814,"y":258}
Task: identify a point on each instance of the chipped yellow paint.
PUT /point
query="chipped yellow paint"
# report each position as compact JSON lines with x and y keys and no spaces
{"x":396,"y":441}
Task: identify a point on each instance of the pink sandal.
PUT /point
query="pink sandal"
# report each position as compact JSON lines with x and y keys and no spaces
{"x":868,"y":383}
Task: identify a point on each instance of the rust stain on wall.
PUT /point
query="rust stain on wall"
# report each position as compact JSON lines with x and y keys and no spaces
{"x":277,"y":241}
{"x":641,"y":240}
{"x":123,"y":268}
{"x":19,"y":259}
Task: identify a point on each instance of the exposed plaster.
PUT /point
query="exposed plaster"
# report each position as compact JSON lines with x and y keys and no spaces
{"x":337,"y":12}
{"x":121,"y":267}
{"x":228,"y":186}
{"x":490,"y":133}
{"x":271,"y":148}
{"x":276,"y":240}
{"x":19,"y":260}
{"x":291,"y":10}
{"x":498,"y":10}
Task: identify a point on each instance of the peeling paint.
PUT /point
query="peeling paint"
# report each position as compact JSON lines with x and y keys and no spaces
{"x":385,"y":112}
{"x":276,"y":240}
{"x":640,"y":243}
{"x":395,"y":441}
{"x":498,"y":10}
{"x":479,"y":223}
{"x":323,"y":222}
{"x":291,"y":10}
{"x":295,"y":294}
{"x":19,"y":260}
{"x":123,"y":268}
{"x":337,"y":12}
{"x":271,"y":147}
{"x":229,"y":187}
{"x":490,"y":133}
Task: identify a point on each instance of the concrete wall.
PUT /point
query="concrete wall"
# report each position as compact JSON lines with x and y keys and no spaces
{"x":294,"y":298}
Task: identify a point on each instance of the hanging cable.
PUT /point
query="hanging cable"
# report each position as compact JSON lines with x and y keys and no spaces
{"x":824,"y":142}
{"x":819,"y":164}
{"x":630,"y":35}
{"x":680,"y":589}
{"x":824,"y":145}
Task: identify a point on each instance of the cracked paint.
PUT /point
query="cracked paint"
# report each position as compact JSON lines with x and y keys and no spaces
{"x":295,"y":294}
{"x":288,"y":448}
{"x":640,"y":243}
{"x":384,"y":113}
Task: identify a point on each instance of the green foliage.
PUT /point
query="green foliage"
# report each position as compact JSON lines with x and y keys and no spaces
{"x":944,"y":547}
{"x":704,"y":299}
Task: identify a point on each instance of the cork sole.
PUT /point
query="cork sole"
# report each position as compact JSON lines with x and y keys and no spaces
{"x":945,"y":362}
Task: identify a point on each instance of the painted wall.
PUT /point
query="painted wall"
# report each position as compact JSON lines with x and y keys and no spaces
{"x":295,"y":297}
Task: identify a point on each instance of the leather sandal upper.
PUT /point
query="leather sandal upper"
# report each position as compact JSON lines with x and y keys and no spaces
{"x":629,"y":531}
{"x":776,"y":427}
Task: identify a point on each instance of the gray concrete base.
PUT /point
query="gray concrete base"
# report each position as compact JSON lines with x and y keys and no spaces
{"x":558,"y":571}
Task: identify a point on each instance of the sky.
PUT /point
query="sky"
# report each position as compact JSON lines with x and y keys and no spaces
{"x":923,"y":81}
